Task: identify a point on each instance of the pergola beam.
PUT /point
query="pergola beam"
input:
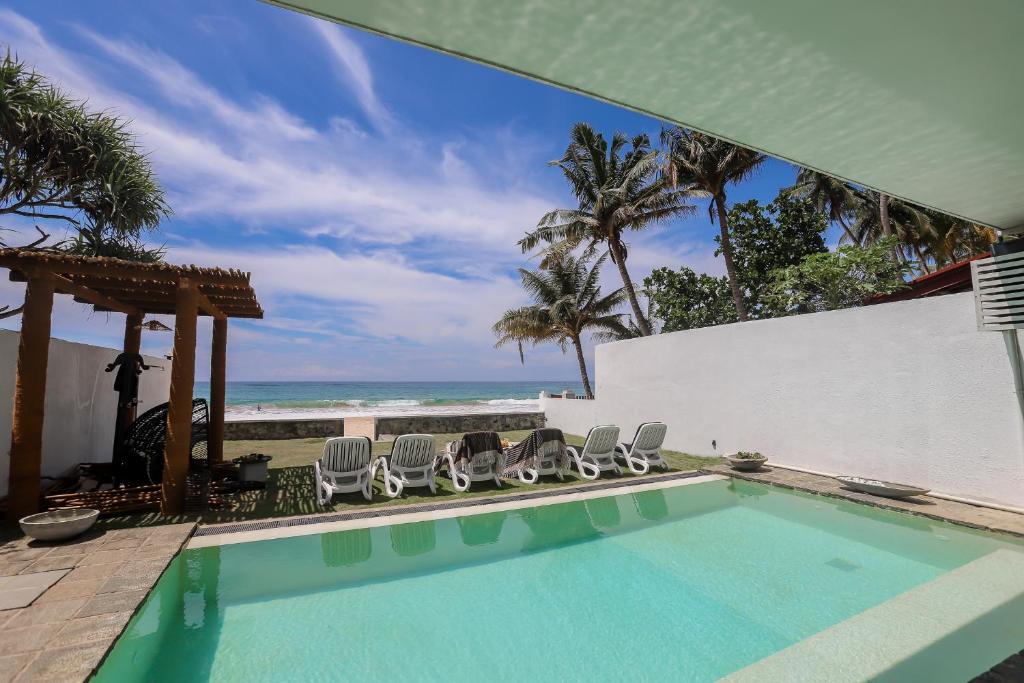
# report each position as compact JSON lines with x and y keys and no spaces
{"x":208,"y":307}
{"x":157,"y":308}
{"x":91,"y":296}
{"x":137,"y":294}
{"x":114,"y":268}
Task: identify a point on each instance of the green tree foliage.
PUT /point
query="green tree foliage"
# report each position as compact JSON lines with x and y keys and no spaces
{"x":684,"y":300}
{"x":847,"y":277}
{"x":618,"y":189}
{"x":61,"y":164}
{"x":766,"y":238}
{"x":567,"y":303}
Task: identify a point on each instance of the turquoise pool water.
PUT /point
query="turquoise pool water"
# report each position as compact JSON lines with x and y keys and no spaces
{"x":685,"y":583}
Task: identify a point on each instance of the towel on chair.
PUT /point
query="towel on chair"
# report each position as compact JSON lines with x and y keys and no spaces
{"x":472,"y":446}
{"x":526,"y":454}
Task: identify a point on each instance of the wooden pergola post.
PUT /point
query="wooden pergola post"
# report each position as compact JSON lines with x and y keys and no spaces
{"x":179,"y":415}
{"x":132,"y":333}
{"x":30,"y":396}
{"x":218,"y":372}
{"x":132,"y":344}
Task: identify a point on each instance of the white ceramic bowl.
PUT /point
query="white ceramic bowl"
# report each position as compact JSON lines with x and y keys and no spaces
{"x":57,"y":525}
{"x":886,"y":489}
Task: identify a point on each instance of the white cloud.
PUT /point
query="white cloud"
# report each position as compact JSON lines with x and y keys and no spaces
{"x":259,"y":163}
{"x":351,"y":66}
{"x":182,"y":87}
{"x":380,"y":295}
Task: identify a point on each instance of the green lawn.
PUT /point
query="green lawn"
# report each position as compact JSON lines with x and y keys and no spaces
{"x":289,"y":488}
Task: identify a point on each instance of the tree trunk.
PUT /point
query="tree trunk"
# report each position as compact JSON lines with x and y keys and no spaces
{"x":846,"y":229}
{"x":922,"y":260}
{"x":730,"y":267}
{"x":583,"y":367}
{"x":883,"y":219}
{"x":883,"y":214}
{"x":620,"y":260}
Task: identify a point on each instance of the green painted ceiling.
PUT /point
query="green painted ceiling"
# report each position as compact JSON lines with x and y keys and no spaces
{"x":921,"y":98}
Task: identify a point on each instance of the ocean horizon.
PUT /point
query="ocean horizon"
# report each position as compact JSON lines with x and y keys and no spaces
{"x":312,"y":399}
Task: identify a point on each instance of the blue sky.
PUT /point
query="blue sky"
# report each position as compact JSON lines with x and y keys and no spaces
{"x":376,"y":190}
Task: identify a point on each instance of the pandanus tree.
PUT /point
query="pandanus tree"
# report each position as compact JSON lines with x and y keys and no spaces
{"x":63,"y":165}
{"x":567,"y":303}
{"x":618,"y":188}
{"x":708,"y":165}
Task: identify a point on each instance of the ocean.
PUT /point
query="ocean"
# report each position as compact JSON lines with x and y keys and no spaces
{"x":284,"y":400}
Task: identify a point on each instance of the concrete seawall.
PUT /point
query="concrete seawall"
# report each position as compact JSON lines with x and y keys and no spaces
{"x":378,"y":427}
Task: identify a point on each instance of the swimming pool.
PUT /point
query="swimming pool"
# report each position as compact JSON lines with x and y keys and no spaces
{"x":690,"y":582}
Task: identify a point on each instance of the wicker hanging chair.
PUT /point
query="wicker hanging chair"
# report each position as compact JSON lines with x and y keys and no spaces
{"x":142,"y":457}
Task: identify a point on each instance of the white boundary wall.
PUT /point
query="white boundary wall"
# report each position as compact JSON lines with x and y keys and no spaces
{"x":81,"y":404}
{"x":909,"y":391}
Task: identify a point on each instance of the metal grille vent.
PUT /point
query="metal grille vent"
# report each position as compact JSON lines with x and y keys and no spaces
{"x":999,"y":291}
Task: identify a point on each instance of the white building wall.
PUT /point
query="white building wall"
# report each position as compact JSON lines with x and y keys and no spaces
{"x":908,"y":391}
{"x":81,"y":404}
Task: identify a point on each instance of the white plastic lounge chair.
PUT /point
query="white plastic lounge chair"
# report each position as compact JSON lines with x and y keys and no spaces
{"x":550,"y":459}
{"x":597,"y":454}
{"x":410,"y":465}
{"x":345,"y":467}
{"x":645,"y":450}
{"x":483,"y":465}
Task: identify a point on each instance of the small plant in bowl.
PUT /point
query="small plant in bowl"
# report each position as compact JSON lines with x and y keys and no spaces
{"x":746,"y":461}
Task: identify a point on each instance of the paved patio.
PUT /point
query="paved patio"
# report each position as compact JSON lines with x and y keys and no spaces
{"x":974,"y":516}
{"x":101,"y":578}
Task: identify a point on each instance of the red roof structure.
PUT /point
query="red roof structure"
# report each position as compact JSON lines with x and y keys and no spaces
{"x":951,"y":279}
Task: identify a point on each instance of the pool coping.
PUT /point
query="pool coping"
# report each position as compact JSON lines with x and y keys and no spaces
{"x":940,"y":509}
{"x":882,"y":642}
{"x":286,"y":527}
{"x":68,"y":630}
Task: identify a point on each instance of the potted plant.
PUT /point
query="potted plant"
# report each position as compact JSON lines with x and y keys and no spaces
{"x":252,"y":467}
{"x":746,"y":461}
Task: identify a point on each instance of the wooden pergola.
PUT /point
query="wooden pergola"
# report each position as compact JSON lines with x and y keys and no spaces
{"x":135,"y":289}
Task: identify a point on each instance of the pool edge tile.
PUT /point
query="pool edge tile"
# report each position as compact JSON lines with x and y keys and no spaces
{"x":472,"y":507}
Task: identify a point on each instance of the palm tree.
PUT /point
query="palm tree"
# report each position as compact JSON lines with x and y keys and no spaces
{"x":879,"y":215}
{"x":708,"y":165}
{"x":618,"y":189}
{"x":956,"y":239}
{"x":567,"y":302}
{"x":830,"y":195}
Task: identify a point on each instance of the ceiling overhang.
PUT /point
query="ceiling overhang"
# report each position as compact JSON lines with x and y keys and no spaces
{"x":923,"y":99}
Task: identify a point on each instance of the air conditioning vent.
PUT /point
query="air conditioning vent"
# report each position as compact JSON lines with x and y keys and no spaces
{"x":999,"y":291}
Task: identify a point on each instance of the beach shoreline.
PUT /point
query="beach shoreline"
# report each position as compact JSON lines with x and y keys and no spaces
{"x":237,"y":413}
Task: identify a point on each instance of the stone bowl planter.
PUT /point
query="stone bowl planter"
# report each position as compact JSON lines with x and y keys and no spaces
{"x":58,"y":525}
{"x":886,"y":489}
{"x":745,"y":464}
{"x":252,"y":467}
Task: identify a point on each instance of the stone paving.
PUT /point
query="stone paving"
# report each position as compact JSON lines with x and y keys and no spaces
{"x":64,"y":633}
{"x":974,"y":516}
